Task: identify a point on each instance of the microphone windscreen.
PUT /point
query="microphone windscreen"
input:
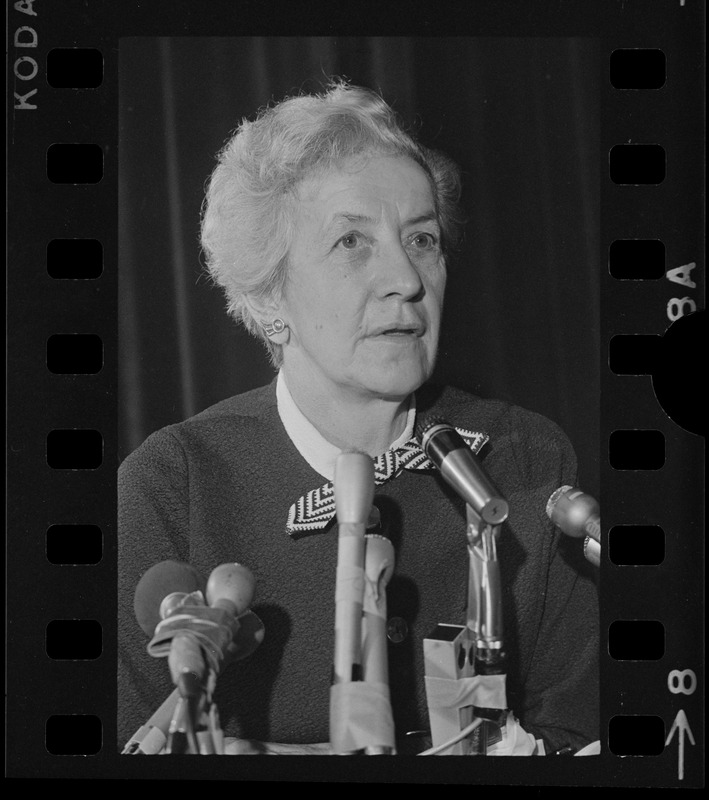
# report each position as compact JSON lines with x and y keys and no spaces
{"x":156,"y":584}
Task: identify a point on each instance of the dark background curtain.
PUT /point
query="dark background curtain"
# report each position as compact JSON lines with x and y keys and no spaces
{"x":520,"y":116}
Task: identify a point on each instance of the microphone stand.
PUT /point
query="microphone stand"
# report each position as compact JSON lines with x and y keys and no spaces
{"x":194,"y":728}
{"x":463,"y":663}
{"x":186,"y":732}
{"x":484,"y":616}
{"x":208,"y":737}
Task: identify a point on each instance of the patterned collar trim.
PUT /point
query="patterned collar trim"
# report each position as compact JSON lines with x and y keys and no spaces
{"x":316,"y":509}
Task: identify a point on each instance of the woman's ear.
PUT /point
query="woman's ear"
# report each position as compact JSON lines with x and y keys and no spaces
{"x":269,"y":316}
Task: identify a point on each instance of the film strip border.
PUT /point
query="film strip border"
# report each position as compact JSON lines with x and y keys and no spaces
{"x":62,"y":356}
{"x":62,"y":381}
{"x":653,"y":304}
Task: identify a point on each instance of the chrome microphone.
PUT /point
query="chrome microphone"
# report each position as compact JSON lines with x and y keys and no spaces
{"x":461,"y":469}
{"x":577,"y":514}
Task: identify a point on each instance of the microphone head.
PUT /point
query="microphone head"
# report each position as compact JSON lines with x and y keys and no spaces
{"x":160,"y":581}
{"x":354,"y":487}
{"x":423,"y":427}
{"x":231,"y":586}
{"x":447,"y":449}
{"x":573,"y":511}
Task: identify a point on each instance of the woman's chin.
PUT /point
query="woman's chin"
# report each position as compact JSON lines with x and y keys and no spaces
{"x":397,"y":382}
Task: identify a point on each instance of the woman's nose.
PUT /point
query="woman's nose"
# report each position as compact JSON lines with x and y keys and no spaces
{"x":397,"y":275}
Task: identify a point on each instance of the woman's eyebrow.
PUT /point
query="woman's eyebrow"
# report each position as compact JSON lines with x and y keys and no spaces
{"x":428,"y":217}
{"x":341,"y":220}
{"x":345,"y":216}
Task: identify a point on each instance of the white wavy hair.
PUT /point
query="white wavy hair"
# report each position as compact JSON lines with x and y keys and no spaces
{"x":247,"y":214}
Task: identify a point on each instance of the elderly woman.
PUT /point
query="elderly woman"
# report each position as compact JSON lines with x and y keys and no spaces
{"x":328,"y":228}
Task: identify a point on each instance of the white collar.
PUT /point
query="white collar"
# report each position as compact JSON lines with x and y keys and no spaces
{"x":310,"y":443}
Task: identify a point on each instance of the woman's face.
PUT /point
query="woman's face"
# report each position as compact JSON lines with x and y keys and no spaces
{"x":365,"y":283}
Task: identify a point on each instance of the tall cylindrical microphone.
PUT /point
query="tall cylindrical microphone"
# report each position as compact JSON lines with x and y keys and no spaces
{"x":461,"y":469}
{"x":577,"y":514}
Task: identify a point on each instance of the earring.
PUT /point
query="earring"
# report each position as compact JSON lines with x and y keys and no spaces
{"x":277,"y":326}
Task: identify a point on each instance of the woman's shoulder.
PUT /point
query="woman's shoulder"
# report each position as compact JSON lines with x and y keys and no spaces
{"x":493,"y":417}
{"x":252,"y":404}
{"x":519,"y":441}
{"x":230,"y":420}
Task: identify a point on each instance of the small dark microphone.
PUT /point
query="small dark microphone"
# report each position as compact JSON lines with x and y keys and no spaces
{"x":459,"y":466}
{"x":161,"y":588}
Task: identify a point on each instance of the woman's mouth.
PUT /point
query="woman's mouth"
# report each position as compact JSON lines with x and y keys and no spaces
{"x":400,"y":331}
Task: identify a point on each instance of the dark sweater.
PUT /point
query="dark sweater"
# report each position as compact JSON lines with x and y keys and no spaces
{"x":217,"y":488}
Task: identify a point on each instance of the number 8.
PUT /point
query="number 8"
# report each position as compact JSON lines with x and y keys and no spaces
{"x":677,"y":680}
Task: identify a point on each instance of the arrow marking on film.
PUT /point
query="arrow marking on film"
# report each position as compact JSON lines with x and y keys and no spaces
{"x":682,"y":726}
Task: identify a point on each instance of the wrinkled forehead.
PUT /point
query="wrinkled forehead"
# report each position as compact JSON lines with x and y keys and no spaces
{"x":369,"y":185}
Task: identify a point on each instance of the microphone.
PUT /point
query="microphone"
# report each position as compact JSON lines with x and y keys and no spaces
{"x":151,"y":738}
{"x":207,"y":637}
{"x":577,"y":514}
{"x":160,"y":592}
{"x":168,"y":583}
{"x":461,"y":469}
{"x":163,"y":589}
{"x":231,"y":588}
{"x":170,"y":607}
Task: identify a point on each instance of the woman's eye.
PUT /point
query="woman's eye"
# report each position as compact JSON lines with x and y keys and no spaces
{"x":350,"y":241}
{"x":424,"y":241}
